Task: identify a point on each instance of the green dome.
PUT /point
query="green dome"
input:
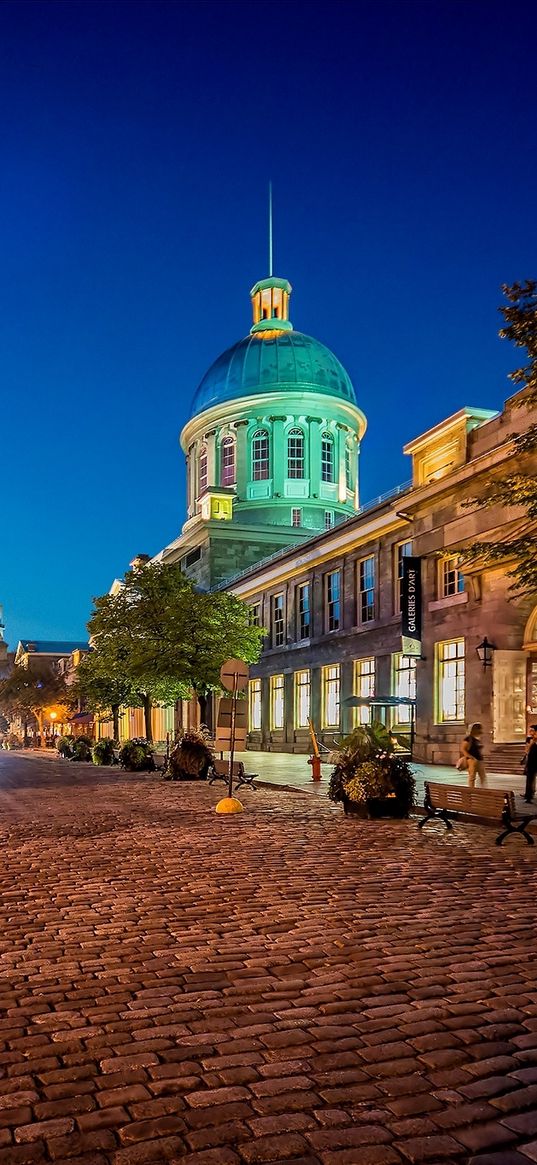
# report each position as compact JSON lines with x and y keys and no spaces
{"x":277,"y":361}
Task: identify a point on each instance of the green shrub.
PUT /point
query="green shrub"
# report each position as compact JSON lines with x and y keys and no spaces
{"x":81,"y":749}
{"x":65,"y":746}
{"x":103,"y":752}
{"x":137,"y":757}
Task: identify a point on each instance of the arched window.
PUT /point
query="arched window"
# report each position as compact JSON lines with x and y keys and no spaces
{"x":227,"y":461}
{"x":327,"y":457}
{"x":348,"y":467}
{"x":203,"y":471}
{"x":295,"y":453}
{"x":260,"y":455}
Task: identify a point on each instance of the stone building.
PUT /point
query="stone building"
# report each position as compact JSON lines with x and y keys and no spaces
{"x":332,"y":610}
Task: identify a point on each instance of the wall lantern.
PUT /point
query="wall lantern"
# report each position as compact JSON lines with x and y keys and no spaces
{"x":485,"y":652}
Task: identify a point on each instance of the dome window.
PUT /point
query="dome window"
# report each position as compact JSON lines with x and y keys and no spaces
{"x":227,"y":461}
{"x":348,"y":467}
{"x":327,"y":457}
{"x":203,"y":470}
{"x":295,"y":453}
{"x":260,"y":456}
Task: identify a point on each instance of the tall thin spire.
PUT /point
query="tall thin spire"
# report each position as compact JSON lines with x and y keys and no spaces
{"x":270,"y":229}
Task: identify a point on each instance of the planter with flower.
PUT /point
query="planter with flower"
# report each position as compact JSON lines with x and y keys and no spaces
{"x":369,"y":779}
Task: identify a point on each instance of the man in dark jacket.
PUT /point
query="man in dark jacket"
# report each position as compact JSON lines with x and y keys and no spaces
{"x":530,"y":767}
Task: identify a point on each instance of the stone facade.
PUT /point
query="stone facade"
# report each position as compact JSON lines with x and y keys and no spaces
{"x":451,"y":463}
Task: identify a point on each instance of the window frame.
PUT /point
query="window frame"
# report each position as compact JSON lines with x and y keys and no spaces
{"x":296,"y":510}
{"x":328,"y":697}
{"x":277,"y":626}
{"x":228,"y":443}
{"x":296,"y":459}
{"x":255,"y":710}
{"x":450,"y":577}
{"x":366,"y":612}
{"x":328,"y":459}
{"x":260,"y":455}
{"x":298,"y":688}
{"x":277,"y":689}
{"x":404,"y":665}
{"x":332,"y":602}
{"x":443,"y":661}
{"x":301,"y":610}
{"x":363,"y":684}
{"x":203,"y":470}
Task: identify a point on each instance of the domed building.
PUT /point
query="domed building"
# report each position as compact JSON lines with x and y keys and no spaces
{"x":271,"y":447}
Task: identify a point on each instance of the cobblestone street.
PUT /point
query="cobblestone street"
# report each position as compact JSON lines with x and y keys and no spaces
{"x":286,"y":985}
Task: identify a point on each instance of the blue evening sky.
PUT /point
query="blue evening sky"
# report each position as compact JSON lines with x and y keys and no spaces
{"x":137,"y":143}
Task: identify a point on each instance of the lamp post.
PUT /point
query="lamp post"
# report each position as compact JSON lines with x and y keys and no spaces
{"x":52,"y":716}
{"x":485,"y":652}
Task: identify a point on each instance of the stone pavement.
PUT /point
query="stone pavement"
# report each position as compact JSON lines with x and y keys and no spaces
{"x":287,"y":985}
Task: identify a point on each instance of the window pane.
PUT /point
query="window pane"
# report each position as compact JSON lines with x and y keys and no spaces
{"x":404,"y":686}
{"x":364,"y":686}
{"x":254,"y":693}
{"x":366,"y":609}
{"x":327,"y":457}
{"x":331,"y":685}
{"x":276,"y":701}
{"x":277,"y":621}
{"x":227,"y":461}
{"x":260,"y":455}
{"x":302,"y":698}
{"x":295,"y":453}
{"x":333,"y":601}
{"x":450,"y":680}
{"x":203,"y":471}
{"x":304,"y":621}
{"x":452,"y":579}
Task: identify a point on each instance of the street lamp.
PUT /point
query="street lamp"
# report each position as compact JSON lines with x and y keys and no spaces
{"x":485,"y":652}
{"x":52,"y":716}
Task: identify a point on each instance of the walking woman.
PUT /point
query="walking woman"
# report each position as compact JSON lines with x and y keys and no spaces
{"x":472,"y":749}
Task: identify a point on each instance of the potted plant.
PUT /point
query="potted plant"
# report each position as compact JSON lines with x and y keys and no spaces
{"x":137,"y":757}
{"x":81,"y":749}
{"x":190,"y":759}
{"x":103,"y":752}
{"x":369,"y":779}
{"x":65,"y":746}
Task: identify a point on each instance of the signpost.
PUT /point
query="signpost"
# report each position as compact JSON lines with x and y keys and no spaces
{"x":234,"y":678}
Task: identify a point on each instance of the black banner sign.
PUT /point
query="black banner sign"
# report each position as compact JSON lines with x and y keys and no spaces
{"x":411,"y":606}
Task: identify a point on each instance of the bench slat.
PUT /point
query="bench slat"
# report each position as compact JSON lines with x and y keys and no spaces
{"x":462,"y":798}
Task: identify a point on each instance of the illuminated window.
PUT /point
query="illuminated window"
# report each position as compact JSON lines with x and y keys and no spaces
{"x":227,"y":461}
{"x":449,"y":681}
{"x":277,"y":621}
{"x":302,"y":698}
{"x":403,"y":550}
{"x":260,"y":455}
{"x":333,"y":600}
{"x":330,"y":696}
{"x":451,"y":580}
{"x":255,"y":615}
{"x":303,"y":610}
{"x":296,"y":516}
{"x":328,"y":519}
{"x":366,"y":588}
{"x":404,"y":686}
{"x":348,"y":467}
{"x":277,"y":701}
{"x":364,"y":686}
{"x":327,"y":457}
{"x":203,"y":470}
{"x":254,"y":705}
{"x":295,"y":453}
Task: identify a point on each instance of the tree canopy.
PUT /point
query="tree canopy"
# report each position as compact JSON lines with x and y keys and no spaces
{"x":518,"y":488}
{"x":159,"y":638}
{"x":30,"y":691}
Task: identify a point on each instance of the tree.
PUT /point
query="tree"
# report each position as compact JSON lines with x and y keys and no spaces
{"x":165,"y":638}
{"x":102,"y":687}
{"x":520,"y":487}
{"x":30,"y":691}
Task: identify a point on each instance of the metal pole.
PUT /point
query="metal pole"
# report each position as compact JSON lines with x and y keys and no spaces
{"x":232,"y":739}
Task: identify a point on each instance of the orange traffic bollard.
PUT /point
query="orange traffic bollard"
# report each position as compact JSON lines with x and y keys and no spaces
{"x":315,"y":762}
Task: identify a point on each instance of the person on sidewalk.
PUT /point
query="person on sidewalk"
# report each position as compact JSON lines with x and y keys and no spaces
{"x":472,"y":749}
{"x":530,"y":765}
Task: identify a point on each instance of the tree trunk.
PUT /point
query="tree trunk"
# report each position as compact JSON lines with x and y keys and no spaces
{"x":25,"y":733}
{"x":39,"y":717}
{"x":115,"y":720}
{"x":202,"y":701}
{"x":147,"y":705}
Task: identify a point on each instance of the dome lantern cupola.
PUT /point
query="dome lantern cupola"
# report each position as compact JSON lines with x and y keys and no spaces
{"x":270,"y":305}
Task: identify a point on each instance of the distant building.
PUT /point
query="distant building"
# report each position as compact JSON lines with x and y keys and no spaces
{"x":44,"y":651}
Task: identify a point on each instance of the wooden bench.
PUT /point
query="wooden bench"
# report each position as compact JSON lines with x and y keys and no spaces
{"x":490,"y":804}
{"x":220,"y":772}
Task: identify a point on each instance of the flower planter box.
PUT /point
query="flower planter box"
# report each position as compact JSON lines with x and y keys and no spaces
{"x":374,"y":808}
